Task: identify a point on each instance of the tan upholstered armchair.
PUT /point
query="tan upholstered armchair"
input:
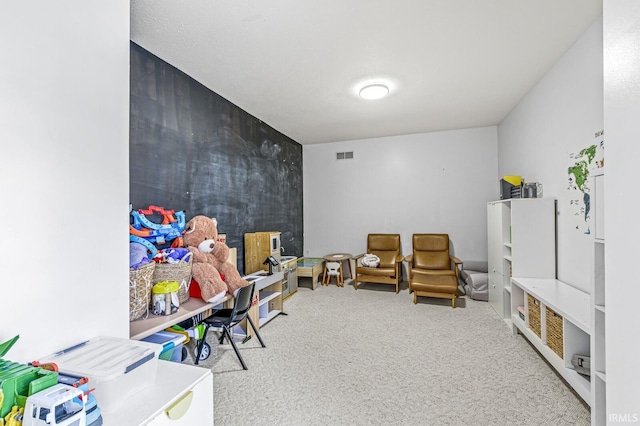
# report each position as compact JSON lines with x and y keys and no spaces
{"x":433,"y":272}
{"x":387,"y":248}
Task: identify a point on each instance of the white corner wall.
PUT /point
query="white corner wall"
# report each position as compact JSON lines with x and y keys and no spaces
{"x":422,"y":183}
{"x":560,"y":115}
{"x":64,"y":179}
{"x":622,"y":138}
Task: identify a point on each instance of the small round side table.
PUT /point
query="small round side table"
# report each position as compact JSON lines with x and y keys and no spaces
{"x":338,"y":257}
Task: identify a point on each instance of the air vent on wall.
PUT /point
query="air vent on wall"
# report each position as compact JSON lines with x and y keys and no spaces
{"x":344,"y":155}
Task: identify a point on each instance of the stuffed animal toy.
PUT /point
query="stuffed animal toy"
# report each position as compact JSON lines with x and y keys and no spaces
{"x":137,"y":255}
{"x":210,"y":259}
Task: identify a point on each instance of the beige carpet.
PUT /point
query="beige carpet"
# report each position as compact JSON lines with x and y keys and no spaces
{"x":372,"y":357}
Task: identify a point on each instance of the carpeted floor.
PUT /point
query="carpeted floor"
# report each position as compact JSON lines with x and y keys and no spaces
{"x":372,"y":357}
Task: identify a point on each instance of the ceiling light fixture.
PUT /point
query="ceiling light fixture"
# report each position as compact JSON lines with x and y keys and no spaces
{"x":374,"y":91}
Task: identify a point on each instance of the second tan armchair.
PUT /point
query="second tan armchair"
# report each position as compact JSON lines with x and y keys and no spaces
{"x":433,"y":272}
{"x":387,"y":248}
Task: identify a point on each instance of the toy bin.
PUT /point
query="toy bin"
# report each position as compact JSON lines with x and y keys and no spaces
{"x":171,"y":344}
{"x":116,"y":368}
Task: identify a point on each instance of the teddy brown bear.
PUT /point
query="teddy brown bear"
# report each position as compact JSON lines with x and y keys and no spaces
{"x":210,"y":262}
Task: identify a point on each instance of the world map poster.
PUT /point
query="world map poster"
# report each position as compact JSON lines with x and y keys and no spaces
{"x":583,"y":164}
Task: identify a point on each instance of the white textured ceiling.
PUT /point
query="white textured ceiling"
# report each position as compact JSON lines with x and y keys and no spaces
{"x":297,"y":64}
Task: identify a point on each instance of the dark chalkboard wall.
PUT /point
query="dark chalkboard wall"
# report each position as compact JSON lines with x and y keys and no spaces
{"x":190,"y":149}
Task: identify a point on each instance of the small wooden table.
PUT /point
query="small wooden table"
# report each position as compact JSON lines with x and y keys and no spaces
{"x":310,"y":267}
{"x":339,"y":257}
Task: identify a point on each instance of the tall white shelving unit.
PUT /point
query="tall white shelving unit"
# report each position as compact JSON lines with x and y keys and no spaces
{"x":598,"y":307}
{"x":521,"y":243}
{"x":524,"y":290}
{"x":496,"y":239}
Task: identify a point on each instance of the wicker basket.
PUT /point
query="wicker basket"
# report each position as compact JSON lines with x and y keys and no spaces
{"x":534,"y":314}
{"x":179,"y":272}
{"x":554,"y":332}
{"x":140,"y":283}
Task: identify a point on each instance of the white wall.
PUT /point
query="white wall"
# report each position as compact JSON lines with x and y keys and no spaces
{"x":64,"y":178}
{"x":622,"y":137}
{"x":559,"y":115}
{"x":422,"y":183}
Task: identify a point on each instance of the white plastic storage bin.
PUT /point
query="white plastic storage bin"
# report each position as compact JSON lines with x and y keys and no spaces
{"x":171,"y":344}
{"x":116,"y":368}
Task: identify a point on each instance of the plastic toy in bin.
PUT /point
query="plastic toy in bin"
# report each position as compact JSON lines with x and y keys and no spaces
{"x":165,"y":299}
{"x":38,"y":394}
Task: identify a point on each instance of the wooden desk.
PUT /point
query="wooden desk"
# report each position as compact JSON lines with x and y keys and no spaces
{"x":139,"y":329}
{"x":268,"y":287}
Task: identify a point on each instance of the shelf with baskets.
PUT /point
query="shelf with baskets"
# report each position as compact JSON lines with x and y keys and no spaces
{"x":558,"y":324}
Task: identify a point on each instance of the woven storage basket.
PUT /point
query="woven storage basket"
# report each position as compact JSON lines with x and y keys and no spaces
{"x":554,"y":332}
{"x":179,"y":272}
{"x":534,"y":314}
{"x":140,"y":283}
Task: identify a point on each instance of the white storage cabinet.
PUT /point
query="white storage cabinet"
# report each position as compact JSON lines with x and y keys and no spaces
{"x":522,"y":243}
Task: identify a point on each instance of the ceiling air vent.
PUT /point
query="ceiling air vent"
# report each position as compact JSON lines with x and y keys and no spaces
{"x":344,"y":155}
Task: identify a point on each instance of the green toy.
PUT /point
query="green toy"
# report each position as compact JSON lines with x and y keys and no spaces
{"x":19,"y":381}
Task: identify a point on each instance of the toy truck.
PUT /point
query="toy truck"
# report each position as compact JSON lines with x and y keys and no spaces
{"x":19,"y":381}
{"x":30,"y":395}
{"x":93,"y":414}
{"x":58,"y":405}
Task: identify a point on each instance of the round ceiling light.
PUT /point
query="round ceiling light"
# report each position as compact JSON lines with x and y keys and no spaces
{"x":374,"y":91}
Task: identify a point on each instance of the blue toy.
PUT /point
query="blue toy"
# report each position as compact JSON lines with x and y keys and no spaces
{"x":171,"y":228}
{"x":152,"y":251}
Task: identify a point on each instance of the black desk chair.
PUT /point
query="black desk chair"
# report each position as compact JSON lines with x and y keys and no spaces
{"x":228,"y":318}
